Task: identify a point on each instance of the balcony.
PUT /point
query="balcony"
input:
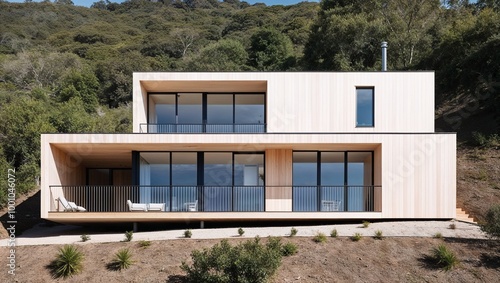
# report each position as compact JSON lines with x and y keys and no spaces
{"x":203,"y":128}
{"x":221,"y":198}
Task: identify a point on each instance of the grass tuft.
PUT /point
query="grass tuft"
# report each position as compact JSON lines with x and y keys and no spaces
{"x":69,"y":261}
{"x":356,"y":237}
{"x":319,"y":238}
{"x":366,"y":224}
{"x":378,"y":235}
{"x":241,"y":231}
{"x":85,"y":237}
{"x":444,"y":257}
{"x":188,"y":233}
{"x":122,"y":260}
{"x":334,"y":233}
{"x":128,"y":236}
{"x":293,"y":232}
{"x":144,"y":243}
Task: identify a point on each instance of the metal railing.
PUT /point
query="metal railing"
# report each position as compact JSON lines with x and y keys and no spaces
{"x":203,"y":128}
{"x":220,"y":198}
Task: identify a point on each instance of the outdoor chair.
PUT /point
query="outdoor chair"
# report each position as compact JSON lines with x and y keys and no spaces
{"x":136,"y":206}
{"x":70,"y":206}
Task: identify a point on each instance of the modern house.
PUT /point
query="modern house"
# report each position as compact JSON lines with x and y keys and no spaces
{"x":259,"y":146}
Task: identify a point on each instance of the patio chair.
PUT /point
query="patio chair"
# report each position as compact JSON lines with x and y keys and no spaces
{"x":156,"y":207}
{"x":70,"y":206}
{"x":136,"y":206}
{"x":191,"y":206}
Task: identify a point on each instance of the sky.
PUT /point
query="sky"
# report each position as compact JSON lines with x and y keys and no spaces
{"x":88,"y":3}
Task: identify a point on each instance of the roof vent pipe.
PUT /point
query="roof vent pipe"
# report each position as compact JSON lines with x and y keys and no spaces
{"x":384,"y":56}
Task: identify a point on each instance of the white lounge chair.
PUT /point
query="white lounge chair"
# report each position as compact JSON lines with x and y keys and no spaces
{"x":136,"y":206}
{"x":191,"y":206}
{"x":69,"y":205}
{"x":156,"y":207}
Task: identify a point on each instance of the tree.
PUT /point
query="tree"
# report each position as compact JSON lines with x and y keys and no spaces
{"x":83,"y":85}
{"x":409,"y":23}
{"x":492,"y":223}
{"x":344,"y":39}
{"x":270,"y":50}
{"x":224,"y":55}
{"x":185,"y":38}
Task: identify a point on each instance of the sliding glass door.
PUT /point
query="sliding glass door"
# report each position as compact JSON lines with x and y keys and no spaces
{"x":332,"y":181}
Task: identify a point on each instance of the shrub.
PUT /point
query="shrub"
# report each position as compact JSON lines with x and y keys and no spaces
{"x":319,"y":238}
{"x":438,"y":235}
{"x":85,"y":237}
{"x":378,"y":235}
{"x":356,"y":237}
{"x":492,"y":224}
{"x":68,"y":262}
{"x":188,"y":233}
{"x":289,"y":249}
{"x":444,"y":257}
{"x":293,"y":232}
{"x":249,"y":261}
{"x":122,"y":260}
{"x":453,"y":226}
{"x":366,"y":224}
{"x":144,"y":243}
{"x":241,"y":232}
{"x":128,"y":236}
{"x":334,"y":233}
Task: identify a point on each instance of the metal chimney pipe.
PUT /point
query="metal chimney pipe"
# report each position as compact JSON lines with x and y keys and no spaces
{"x":384,"y":56}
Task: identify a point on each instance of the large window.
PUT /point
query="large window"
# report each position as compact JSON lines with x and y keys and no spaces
{"x":206,"y":112}
{"x":332,"y":181}
{"x":209,"y":181}
{"x":364,"y":107}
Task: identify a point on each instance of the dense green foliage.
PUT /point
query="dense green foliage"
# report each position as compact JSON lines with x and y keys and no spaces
{"x":65,"y":68}
{"x":492,"y":223}
{"x":247,"y":262}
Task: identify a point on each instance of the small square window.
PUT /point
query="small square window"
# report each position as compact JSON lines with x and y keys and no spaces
{"x":364,"y":107}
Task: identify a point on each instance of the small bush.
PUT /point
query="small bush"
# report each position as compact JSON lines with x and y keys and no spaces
{"x":68,"y":262}
{"x":249,"y":261}
{"x":334,"y":233}
{"x":289,"y":249}
{"x":444,"y":257}
{"x":366,"y":224}
{"x":122,"y":260}
{"x":492,"y":224}
{"x":188,"y":233}
{"x":378,"y":235}
{"x":453,"y":226}
{"x":144,"y":243}
{"x":85,"y":237}
{"x":438,"y":235}
{"x":319,"y":238}
{"x":128,"y":236}
{"x":356,"y":237}
{"x":241,"y":232}
{"x":293,"y":232}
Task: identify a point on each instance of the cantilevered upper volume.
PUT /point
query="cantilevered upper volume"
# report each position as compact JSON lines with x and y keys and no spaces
{"x":259,"y":146}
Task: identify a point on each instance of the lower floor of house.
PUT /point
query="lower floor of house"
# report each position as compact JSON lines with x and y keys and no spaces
{"x":329,"y":177}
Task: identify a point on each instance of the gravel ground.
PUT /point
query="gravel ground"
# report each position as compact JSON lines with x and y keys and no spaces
{"x":67,"y":235}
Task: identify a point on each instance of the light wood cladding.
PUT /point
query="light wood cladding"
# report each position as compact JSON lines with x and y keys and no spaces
{"x":279,"y":180}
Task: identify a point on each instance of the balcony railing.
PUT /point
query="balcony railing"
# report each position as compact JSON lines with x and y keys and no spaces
{"x":220,"y":198}
{"x":203,"y":128}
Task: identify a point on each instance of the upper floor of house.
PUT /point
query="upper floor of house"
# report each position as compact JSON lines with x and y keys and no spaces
{"x":283,"y":102}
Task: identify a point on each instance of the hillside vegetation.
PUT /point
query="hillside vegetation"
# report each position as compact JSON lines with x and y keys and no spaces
{"x":68,"y":69}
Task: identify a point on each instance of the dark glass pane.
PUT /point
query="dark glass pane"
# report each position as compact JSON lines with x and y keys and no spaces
{"x":218,"y":169}
{"x":332,"y":168}
{"x":184,"y":168}
{"x":305,"y":168}
{"x":249,"y":169}
{"x":189,"y":108}
{"x":219,"y":109}
{"x":364,"y":107}
{"x":154,"y":177}
{"x":359,"y":172}
{"x":249,"y":109}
